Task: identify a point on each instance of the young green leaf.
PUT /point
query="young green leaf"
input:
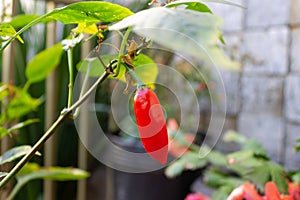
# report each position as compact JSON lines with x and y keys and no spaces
{"x":195,"y":33}
{"x":15,"y":153}
{"x":43,"y":63}
{"x":8,"y":30}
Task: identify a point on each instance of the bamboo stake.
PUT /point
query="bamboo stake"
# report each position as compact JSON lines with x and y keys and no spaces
{"x":50,"y":151}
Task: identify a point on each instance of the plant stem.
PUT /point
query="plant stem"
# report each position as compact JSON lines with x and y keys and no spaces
{"x":70,"y":67}
{"x":64,"y":114}
{"x":34,"y":22}
{"x":122,"y":48}
{"x":84,"y":84}
{"x":140,"y":83}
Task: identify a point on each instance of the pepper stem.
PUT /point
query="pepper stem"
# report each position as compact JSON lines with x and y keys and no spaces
{"x":135,"y":77}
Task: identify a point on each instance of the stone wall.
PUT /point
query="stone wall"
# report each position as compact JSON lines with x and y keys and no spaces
{"x":263,"y":99}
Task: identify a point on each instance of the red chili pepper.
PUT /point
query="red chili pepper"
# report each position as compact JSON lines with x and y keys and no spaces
{"x":151,"y":124}
{"x":271,"y":191}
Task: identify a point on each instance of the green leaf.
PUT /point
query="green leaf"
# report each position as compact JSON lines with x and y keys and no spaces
{"x":196,"y":6}
{"x":15,"y":153}
{"x":81,"y":12}
{"x":175,"y":169}
{"x":32,"y":171}
{"x":195,"y":33}
{"x":23,"y":124}
{"x":246,"y":143}
{"x":4,"y":131}
{"x":145,"y":67}
{"x":217,"y":158}
{"x":233,"y":136}
{"x":297,"y":147}
{"x":222,"y":192}
{"x":180,"y":2}
{"x":244,"y":158}
{"x":3,"y":91}
{"x":192,"y":161}
{"x":259,"y":175}
{"x":2,"y":174}
{"x":22,"y":20}
{"x":278,"y":177}
{"x":8,"y":30}
{"x":189,"y":161}
{"x":90,"y":12}
{"x":44,"y":63}
{"x":20,"y":104}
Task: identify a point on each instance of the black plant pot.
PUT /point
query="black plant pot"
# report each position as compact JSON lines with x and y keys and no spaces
{"x":152,"y":186}
{"x":148,"y":186}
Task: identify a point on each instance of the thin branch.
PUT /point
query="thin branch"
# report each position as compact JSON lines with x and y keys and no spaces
{"x":64,"y":114}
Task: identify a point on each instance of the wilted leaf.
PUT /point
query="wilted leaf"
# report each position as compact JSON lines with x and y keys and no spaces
{"x":84,"y":28}
{"x":145,"y":67}
{"x":15,"y":153}
{"x":43,"y":63}
{"x":195,"y":33}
